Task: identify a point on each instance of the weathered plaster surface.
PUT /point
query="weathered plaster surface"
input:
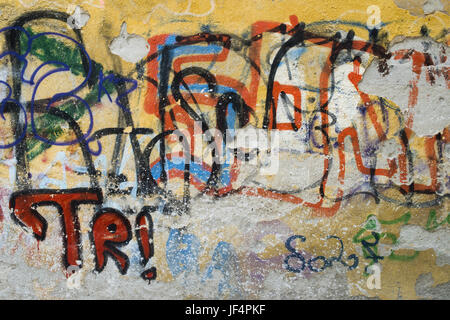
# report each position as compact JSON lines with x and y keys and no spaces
{"x":333,"y":183}
{"x":430,"y":112}
{"x":421,"y":7}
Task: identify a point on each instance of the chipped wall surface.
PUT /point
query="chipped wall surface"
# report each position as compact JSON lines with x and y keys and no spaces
{"x":211,"y":149}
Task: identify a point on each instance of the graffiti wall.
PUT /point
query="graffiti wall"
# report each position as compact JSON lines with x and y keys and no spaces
{"x":211,"y":149}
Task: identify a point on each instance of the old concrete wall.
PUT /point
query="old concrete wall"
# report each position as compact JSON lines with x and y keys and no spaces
{"x":224,"y":149}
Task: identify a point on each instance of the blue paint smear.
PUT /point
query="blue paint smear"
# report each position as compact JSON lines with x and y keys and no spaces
{"x":182,"y":251}
{"x":224,"y":259}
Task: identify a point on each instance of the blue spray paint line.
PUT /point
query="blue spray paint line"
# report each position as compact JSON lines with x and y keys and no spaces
{"x":203,"y":88}
{"x":293,"y":54}
{"x":231,"y":117}
{"x":196,"y":169}
{"x":188,"y":49}
{"x":175,"y":52}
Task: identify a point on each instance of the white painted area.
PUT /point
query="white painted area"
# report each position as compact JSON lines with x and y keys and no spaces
{"x":130,"y":47}
{"x":431,"y":114}
{"x":432,"y":6}
{"x":285,"y":109}
{"x":390,"y":148}
{"x":345,"y":98}
{"x":186,"y":12}
{"x":3,"y":77}
{"x":78,"y":19}
{"x":331,"y":283}
{"x":417,"y":238}
{"x":28,"y":3}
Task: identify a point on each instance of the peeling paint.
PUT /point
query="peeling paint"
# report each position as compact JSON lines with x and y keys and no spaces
{"x":130,"y":47}
{"x":417,"y":86}
{"x":417,"y":238}
{"x":423,"y":7}
{"x":78,"y":19}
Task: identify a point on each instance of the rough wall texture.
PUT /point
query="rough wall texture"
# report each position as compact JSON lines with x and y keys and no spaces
{"x":224,"y":149}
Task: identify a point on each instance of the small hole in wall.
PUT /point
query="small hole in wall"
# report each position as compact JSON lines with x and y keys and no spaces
{"x":112,"y":228}
{"x":424,"y":31}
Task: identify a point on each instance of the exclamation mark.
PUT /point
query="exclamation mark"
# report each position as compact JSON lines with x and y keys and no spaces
{"x":144,"y":236}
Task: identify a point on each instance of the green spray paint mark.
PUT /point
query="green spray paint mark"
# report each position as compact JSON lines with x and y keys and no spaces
{"x":49,"y":126}
{"x":47,"y":48}
{"x":370,"y":250}
{"x":432,"y":223}
{"x":404,"y":218}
